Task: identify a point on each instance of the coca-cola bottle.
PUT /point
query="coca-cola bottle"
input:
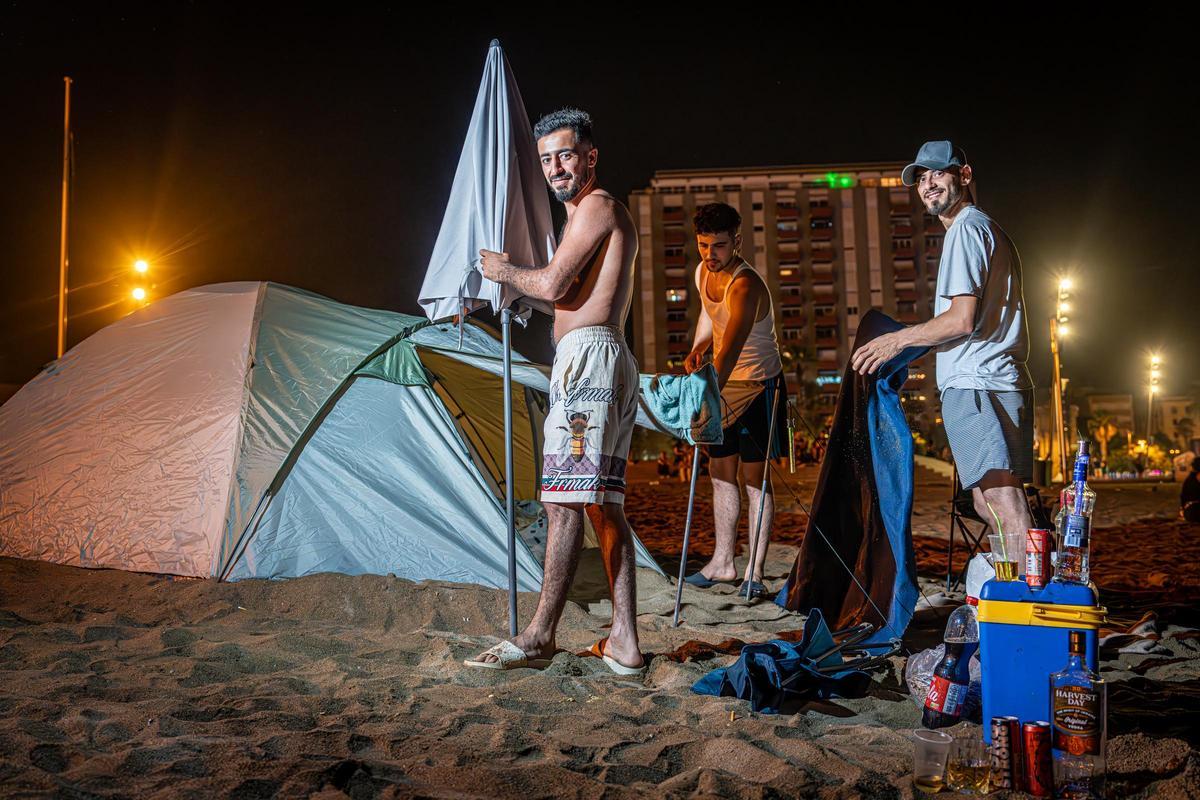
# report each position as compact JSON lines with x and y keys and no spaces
{"x":948,"y":687}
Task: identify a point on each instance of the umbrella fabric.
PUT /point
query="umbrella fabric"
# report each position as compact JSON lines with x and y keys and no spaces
{"x":777,"y":675}
{"x":863,"y":504}
{"x":498,"y":202}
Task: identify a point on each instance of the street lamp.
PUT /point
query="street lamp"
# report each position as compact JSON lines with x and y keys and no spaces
{"x":1151,"y":390}
{"x":141,"y":266}
{"x":1059,"y":330}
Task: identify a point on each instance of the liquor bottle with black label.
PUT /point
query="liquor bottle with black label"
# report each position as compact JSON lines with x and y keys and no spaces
{"x":1074,"y":531}
{"x":1078,"y":709}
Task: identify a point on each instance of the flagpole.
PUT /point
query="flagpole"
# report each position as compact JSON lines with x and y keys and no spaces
{"x":62,"y":249}
{"x":509,"y":501}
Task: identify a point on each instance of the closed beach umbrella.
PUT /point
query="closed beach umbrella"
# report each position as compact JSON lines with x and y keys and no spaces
{"x":498,"y":202}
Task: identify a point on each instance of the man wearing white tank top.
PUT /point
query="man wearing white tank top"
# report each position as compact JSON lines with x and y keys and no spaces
{"x":737,"y":324}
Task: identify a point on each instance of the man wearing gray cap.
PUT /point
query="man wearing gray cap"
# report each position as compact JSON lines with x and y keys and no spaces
{"x":982,"y":343}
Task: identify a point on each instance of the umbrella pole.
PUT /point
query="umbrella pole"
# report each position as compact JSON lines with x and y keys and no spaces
{"x":509,"y":502}
{"x":687,"y":532}
{"x":773,"y":399}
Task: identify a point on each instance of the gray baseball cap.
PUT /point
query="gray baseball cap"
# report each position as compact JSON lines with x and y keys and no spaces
{"x":934,"y":155}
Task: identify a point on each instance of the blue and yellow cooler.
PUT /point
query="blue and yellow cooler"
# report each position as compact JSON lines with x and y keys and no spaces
{"x":1023,"y":639}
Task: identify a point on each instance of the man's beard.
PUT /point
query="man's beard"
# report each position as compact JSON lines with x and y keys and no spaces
{"x":723,"y":264}
{"x":951,"y":197}
{"x":573,"y":188}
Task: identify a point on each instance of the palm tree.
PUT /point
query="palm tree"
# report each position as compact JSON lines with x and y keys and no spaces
{"x":1102,"y":429}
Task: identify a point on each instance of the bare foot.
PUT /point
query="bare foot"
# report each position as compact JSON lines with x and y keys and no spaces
{"x":718,"y":572}
{"x":625,"y":653}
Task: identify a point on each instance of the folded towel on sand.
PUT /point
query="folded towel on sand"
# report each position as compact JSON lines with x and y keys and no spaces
{"x":687,"y":407}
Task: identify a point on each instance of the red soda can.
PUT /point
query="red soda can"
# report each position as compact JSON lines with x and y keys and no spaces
{"x":1006,"y":752}
{"x":1039,"y":769}
{"x":1038,"y":570}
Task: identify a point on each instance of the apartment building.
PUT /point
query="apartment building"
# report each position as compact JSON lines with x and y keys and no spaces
{"x":831,"y":241}
{"x":1175,"y":417}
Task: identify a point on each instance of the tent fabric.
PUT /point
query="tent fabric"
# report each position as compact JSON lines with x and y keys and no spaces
{"x":385,"y":485}
{"x":498,"y":202}
{"x":303,"y":348}
{"x":256,"y":430}
{"x":862,"y":504}
{"x":121,"y":453}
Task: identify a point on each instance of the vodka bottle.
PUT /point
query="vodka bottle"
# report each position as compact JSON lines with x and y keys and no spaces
{"x":1075,"y":529}
{"x":1078,"y":705}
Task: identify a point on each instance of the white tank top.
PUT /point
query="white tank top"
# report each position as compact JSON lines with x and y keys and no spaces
{"x":759,"y":359}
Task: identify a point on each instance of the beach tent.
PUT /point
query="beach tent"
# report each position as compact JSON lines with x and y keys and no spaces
{"x":256,"y":430}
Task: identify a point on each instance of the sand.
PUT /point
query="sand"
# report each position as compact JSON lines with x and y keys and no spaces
{"x":123,"y":685}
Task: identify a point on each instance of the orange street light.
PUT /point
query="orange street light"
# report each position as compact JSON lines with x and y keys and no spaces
{"x":139,"y":294}
{"x":141,"y":266}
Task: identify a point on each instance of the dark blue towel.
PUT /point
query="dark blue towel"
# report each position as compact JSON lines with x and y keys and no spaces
{"x":761,"y":672}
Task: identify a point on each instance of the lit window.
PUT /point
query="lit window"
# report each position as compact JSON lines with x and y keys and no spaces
{"x":676,"y":295}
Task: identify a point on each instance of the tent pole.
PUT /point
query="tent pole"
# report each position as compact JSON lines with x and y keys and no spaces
{"x":509,"y":501}
{"x":773,"y":399}
{"x":687,"y":532}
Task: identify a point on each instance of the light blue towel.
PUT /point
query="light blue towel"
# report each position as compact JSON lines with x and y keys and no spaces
{"x":687,"y":407}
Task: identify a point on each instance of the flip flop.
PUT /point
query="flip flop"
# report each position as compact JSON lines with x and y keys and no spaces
{"x":757,"y":590}
{"x":617,"y":667}
{"x":508,"y":656}
{"x":698,"y":580}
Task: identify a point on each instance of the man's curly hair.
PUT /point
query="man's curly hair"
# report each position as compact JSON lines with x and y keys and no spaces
{"x":717,"y":218}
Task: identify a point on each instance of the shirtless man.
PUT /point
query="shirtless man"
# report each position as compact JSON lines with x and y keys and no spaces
{"x":593,"y":395}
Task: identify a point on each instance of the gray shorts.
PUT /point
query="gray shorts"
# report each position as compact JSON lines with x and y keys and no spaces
{"x":989,"y":430}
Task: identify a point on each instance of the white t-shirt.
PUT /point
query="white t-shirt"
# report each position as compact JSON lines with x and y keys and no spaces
{"x":979,"y":259}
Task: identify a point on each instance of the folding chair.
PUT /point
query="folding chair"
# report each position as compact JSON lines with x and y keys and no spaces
{"x":962,"y":512}
{"x":962,"y":516}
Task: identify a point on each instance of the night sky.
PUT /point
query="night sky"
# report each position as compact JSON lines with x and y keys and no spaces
{"x":318,"y":151}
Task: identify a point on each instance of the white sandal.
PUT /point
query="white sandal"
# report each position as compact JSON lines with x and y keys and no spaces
{"x":508,"y":656}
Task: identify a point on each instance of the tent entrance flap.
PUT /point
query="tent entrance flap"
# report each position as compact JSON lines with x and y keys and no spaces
{"x":470,"y":395}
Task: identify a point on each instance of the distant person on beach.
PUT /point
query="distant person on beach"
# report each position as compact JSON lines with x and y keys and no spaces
{"x":979,"y":333}
{"x":593,"y":395}
{"x":737,"y":324}
{"x":1189,"y":495}
{"x":680,"y":462}
{"x":664,"y":465}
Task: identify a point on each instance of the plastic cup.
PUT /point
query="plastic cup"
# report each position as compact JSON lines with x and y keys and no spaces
{"x":930,"y":749}
{"x":1008,"y":551}
{"x":969,"y":764}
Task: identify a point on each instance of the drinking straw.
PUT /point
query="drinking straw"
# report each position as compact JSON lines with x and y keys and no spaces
{"x":999,"y":530}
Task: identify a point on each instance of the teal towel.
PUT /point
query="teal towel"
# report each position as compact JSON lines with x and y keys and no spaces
{"x":687,"y":407}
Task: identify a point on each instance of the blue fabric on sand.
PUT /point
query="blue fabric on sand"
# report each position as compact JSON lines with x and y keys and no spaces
{"x":892,"y":463}
{"x":687,"y":407}
{"x":761,"y":672}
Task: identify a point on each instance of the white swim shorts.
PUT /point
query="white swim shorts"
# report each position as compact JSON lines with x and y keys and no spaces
{"x":593,"y":404}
